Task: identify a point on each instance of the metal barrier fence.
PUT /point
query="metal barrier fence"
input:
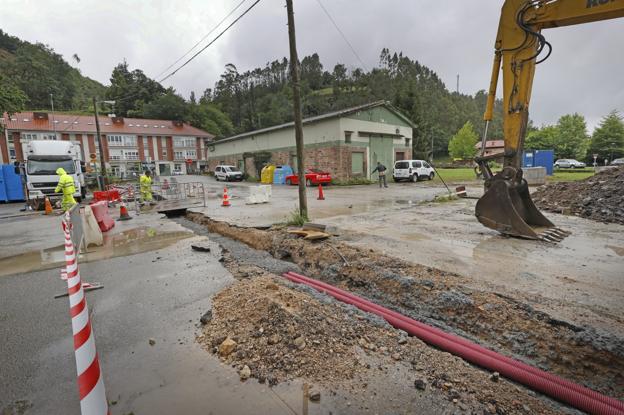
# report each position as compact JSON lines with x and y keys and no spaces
{"x":76,"y":229}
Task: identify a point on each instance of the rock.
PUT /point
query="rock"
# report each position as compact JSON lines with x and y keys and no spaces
{"x":396,"y":356}
{"x":205,"y":319}
{"x":274,"y":339}
{"x":494,"y":377}
{"x":152,"y":342}
{"x":403,"y":340}
{"x":420,"y":384}
{"x":245,"y":373}
{"x":314,"y":396}
{"x":272,"y":286}
{"x":227,"y":347}
{"x":200,"y":248}
{"x":300,"y":343}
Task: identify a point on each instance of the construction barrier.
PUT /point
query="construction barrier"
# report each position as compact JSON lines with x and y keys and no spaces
{"x":90,"y":380}
{"x":259,"y":194}
{"x":100,"y":211}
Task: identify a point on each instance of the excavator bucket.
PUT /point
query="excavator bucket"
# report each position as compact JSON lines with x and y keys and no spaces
{"x":508,"y":208}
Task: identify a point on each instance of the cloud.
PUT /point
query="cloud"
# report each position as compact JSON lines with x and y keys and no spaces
{"x":449,"y":36}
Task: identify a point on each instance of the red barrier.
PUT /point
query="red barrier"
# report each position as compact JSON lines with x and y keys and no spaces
{"x":100,"y":212}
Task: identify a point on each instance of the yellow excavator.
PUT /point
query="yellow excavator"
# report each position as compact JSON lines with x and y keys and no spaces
{"x":506,"y":205}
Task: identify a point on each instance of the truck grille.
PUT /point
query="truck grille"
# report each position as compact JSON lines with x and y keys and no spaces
{"x":49,"y":184}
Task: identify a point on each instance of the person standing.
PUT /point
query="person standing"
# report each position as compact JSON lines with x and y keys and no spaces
{"x":381,"y":170}
{"x":145,"y":184}
{"x":66,"y":185}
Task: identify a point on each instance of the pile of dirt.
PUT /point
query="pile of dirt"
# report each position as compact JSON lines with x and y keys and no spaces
{"x":600,"y":197}
{"x":272,"y":330}
{"x":443,"y":299}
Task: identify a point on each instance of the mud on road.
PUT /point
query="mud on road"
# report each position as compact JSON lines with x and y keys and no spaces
{"x":444,"y":300}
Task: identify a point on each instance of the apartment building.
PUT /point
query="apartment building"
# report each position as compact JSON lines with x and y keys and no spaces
{"x":129,"y":144}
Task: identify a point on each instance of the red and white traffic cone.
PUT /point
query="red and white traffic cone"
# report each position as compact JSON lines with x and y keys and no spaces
{"x":123,"y":212}
{"x":90,"y":380}
{"x":226,"y":199}
{"x":321,"y":196}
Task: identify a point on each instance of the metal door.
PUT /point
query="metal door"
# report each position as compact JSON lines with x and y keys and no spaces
{"x":381,"y":149}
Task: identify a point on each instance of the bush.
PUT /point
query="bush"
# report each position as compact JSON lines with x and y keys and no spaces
{"x":296,"y":218}
{"x":251,"y":179}
{"x":352,"y":181}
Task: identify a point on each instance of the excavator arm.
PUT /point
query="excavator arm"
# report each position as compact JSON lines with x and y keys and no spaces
{"x":506,"y":205}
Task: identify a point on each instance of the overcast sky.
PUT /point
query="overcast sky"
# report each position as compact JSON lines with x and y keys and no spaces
{"x":584,"y":73}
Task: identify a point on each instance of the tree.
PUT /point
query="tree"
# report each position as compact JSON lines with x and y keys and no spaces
{"x":572,"y":138}
{"x":132,"y":90}
{"x":12,"y":99}
{"x":462,"y":145}
{"x":544,"y":138}
{"x":170,"y":106}
{"x":608,"y":139}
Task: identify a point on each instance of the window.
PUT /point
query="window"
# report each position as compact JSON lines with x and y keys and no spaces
{"x":347,"y":136}
{"x":114,"y":140}
{"x":121,"y":140}
{"x":191,"y":154}
{"x":12,"y":153}
{"x":130,"y":141}
{"x":27,"y":136}
{"x":357,"y":163}
{"x":416,"y":164}
{"x":425,"y":164}
{"x":184,"y":141}
{"x":131,"y":155}
{"x":178,"y":155}
{"x":144,"y":141}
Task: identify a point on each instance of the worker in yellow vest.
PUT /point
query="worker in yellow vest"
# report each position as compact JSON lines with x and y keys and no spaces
{"x":66,"y":185}
{"x":145,"y":184}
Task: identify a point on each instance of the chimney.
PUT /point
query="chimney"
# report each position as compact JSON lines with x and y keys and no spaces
{"x":40,"y":115}
{"x":178,"y":123}
{"x":117,"y":120}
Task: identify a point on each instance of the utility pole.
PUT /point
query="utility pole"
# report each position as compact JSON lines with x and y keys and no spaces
{"x":431,"y":130}
{"x":99,"y":141}
{"x":53,"y":117}
{"x":294,"y":74}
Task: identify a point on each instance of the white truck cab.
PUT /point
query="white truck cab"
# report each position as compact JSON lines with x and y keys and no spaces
{"x":42,"y":158}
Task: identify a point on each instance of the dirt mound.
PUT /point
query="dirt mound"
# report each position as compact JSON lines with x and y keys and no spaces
{"x":600,"y":197}
{"x":274,"y":331}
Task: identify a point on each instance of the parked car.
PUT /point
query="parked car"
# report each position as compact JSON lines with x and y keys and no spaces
{"x":228,"y":173}
{"x":617,"y":162}
{"x":412,"y":170}
{"x":314,"y":177}
{"x":569,"y":164}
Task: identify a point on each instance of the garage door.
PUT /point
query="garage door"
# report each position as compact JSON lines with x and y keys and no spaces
{"x":381,"y":149}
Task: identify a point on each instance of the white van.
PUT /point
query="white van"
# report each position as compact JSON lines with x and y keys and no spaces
{"x":413,"y":170}
{"x":228,"y":173}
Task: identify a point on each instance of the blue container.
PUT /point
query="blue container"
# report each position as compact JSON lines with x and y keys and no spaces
{"x":3,"y":193}
{"x":539,"y":158}
{"x":12,"y":184}
{"x":279,"y":176}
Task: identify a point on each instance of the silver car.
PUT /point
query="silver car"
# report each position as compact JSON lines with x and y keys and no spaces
{"x":569,"y":164}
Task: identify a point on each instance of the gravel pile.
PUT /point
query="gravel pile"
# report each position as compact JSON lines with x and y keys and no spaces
{"x":600,"y":197}
{"x":274,"y":331}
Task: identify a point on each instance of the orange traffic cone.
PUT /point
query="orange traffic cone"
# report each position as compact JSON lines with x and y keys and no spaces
{"x":123,"y":212}
{"x":226,"y":199}
{"x":321,"y":196}
{"x":48,"y":206}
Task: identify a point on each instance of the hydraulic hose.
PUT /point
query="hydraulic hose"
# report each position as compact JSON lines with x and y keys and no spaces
{"x":563,"y":390}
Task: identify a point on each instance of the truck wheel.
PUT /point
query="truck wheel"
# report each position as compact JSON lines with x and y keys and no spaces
{"x":431,"y":176}
{"x":414,"y":177}
{"x":36,"y":204}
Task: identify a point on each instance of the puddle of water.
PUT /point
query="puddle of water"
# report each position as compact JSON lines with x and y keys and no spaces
{"x":132,"y":241}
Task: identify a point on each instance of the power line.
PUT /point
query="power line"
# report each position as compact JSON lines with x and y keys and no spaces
{"x":211,"y":42}
{"x":202,"y":39}
{"x":342,"y":34}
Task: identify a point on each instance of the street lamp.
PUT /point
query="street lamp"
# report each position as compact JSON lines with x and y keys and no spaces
{"x":101,"y":179}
